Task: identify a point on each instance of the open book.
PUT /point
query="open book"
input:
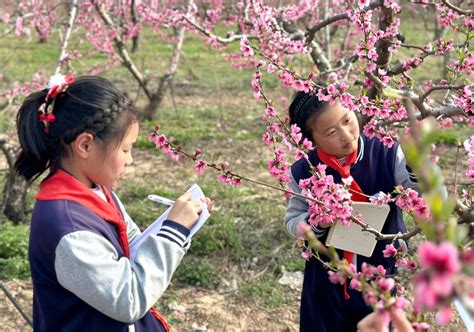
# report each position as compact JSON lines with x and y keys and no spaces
{"x":198,"y":195}
{"x":352,"y":238}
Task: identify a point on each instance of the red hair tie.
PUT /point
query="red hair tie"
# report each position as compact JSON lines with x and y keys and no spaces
{"x":57,"y":84}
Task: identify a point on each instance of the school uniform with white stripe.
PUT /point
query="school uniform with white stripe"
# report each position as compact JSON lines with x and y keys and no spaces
{"x":377,"y":168}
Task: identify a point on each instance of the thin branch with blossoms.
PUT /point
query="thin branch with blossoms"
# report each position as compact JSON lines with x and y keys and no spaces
{"x":378,"y":289}
{"x":223,"y":40}
{"x":312,"y":31}
{"x":457,"y":9}
{"x":439,"y":87}
{"x":229,"y":177}
{"x":425,"y":109}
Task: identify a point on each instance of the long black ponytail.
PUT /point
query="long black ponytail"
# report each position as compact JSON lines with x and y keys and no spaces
{"x":37,"y":149}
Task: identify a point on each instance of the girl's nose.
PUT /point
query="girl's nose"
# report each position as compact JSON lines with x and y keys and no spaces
{"x":346,"y":135}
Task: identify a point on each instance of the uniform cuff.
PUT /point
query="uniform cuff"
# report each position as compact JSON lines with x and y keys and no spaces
{"x":174,"y":232}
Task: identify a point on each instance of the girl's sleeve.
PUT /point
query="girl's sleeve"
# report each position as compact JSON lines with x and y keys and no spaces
{"x":297,"y":212}
{"x":88,"y":265}
{"x":403,"y":173}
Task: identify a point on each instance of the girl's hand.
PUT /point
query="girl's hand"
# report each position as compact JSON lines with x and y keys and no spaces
{"x":324,"y":225}
{"x":210,"y":204}
{"x":185,"y":211}
{"x":374,"y":322}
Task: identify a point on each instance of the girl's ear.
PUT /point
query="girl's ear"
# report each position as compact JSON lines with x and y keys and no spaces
{"x":82,"y":145}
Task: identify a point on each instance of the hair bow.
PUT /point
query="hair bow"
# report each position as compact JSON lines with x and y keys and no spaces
{"x":57,"y":85}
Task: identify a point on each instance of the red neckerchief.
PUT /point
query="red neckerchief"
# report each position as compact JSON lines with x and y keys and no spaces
{"x":63,"y":186}
{"x":344,"y":171}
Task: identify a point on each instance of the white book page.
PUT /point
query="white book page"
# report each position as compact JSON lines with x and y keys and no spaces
{"x":197,"y":195}
{"x":352,"y":238}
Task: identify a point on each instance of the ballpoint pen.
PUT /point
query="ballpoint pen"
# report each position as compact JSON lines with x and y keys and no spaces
{"x":159,"y":199}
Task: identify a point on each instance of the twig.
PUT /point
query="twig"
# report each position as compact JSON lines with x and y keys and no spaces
{"x":439,"y":87}
{"x":17,"y":306}
{"x":70,"y":23}
{"x":457,"y":9}
{"x":221,"y":40}
{"x":312,"y":31}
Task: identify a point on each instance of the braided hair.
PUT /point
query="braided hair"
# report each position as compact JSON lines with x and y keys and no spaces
{"x":304,"y":109}
{"x":90,"y":104}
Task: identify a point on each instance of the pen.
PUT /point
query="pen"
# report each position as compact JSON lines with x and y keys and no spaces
{"x":159,"y":199}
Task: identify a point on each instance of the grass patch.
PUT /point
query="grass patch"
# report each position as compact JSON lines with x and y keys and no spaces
{"x":14,"y":251}
{"x":197,"y":272}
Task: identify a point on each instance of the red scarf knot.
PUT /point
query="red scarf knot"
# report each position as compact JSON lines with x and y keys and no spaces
{"x":357,"y":193}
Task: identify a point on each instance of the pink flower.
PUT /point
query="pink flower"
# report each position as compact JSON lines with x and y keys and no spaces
{"x":355,"y":283}
{"x":389,"y":251}
{"x":306,"y":254}
{"x":444,"y":315}
{"x":300,"y":154}
{"x":443,"y":258}
{"x":331,"y":89}
{"x":402,"y":303}
{"x":303,"y":227}
{"x":386,"y":284}
{"x":200,"y":166}
{"x":245,"y":47}
{"x":302,"y":86}
{"x":336,"y":277}
{"x":380,"y":198}
{"x":270,"y":112}
{"x":307,"y":144}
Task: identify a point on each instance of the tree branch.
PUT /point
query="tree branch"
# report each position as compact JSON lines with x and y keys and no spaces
{"x":312,"y":31}
{"x":7,"y":150}
{"x":70,"y":23}
{"x":221,"y":40}
{"x":439,"y":87}
{"x":122,"y":51}
{"x":457,"y":9}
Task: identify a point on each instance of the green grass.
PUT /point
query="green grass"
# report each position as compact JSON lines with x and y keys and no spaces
{"x":13,"y":251}
{"x":22,"y":57}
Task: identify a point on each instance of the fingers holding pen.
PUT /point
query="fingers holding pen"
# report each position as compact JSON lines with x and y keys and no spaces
{"x":210,"y":203}
{"x":185,"y":210}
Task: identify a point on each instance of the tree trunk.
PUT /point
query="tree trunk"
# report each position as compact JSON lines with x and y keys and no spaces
{"x":155,"y":101}
{"x":135,"y":38}
{"x":14,"y":197}
{"x":16,"y":187}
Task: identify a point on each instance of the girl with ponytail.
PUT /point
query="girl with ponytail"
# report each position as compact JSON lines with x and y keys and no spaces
{"x":81,"y":133}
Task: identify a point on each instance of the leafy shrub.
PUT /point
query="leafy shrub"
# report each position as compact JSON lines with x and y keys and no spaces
{"x":14,"y":252}
{"x":197,"y":272}
{"x":216,"y":236}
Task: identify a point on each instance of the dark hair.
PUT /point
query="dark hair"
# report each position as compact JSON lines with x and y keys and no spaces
{"x":304,"y":108}
{"x":90,"y":104}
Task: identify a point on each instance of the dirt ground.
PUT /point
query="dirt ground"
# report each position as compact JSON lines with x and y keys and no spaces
{"x":193,"y":310}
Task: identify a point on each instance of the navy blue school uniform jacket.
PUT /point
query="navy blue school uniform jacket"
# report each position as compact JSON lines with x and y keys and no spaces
{"x":377,"y":168}
{"x":82,"y":280}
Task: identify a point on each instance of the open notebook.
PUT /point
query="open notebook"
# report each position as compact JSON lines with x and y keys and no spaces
{"x":197,"y":194}
{"x":352,"y":238}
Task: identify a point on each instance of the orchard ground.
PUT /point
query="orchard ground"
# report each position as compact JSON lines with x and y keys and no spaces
{"x":230,"y":278}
